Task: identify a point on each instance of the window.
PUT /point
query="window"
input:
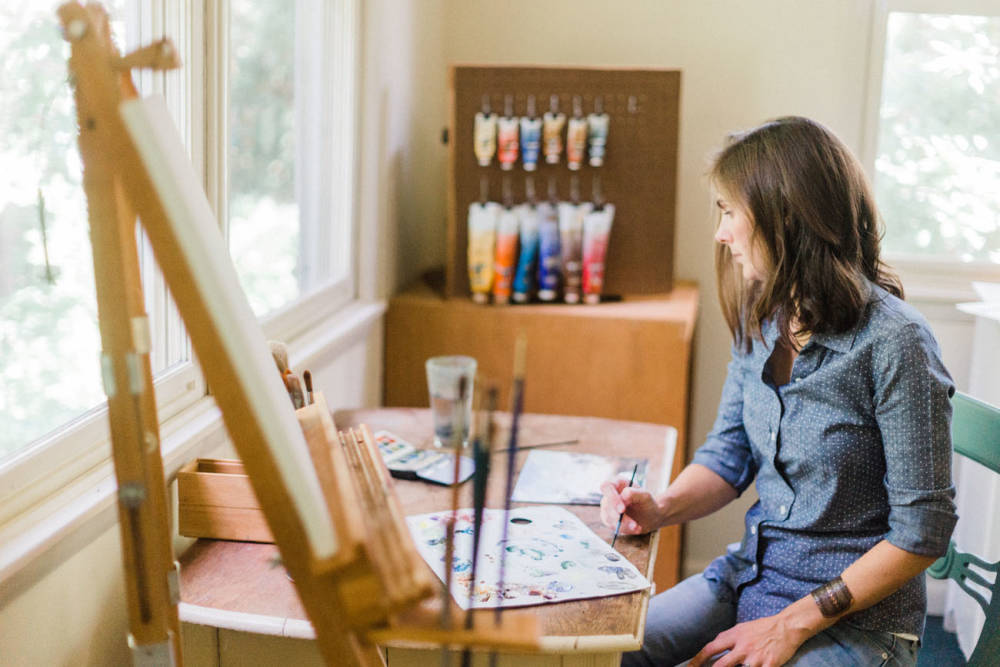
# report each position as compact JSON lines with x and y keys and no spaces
{"x":53,"y":425}
{"x":934,"y":148}
{"x":49,"y":342}
{"x":266,"y":102}
{"x":291,"y":151}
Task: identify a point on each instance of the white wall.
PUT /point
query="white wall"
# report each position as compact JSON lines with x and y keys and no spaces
{"x":741,"y":62}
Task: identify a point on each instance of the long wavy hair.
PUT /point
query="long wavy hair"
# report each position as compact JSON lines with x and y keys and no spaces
{"x":814,"y":224}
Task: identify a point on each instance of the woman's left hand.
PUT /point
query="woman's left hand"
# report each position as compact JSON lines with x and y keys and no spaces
{"x":765,"y":642}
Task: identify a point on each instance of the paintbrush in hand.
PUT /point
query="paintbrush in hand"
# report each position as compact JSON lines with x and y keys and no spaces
{"x":622,"y":515}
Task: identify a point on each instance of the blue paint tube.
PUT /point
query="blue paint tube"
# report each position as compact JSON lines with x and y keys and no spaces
{"x":531,"y":142}
{"x":524,"y":279}
{"x":549,"y":257}
{"x":531,"y":137}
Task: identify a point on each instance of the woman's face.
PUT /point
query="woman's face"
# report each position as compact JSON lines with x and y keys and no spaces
{"x":735,"y":231}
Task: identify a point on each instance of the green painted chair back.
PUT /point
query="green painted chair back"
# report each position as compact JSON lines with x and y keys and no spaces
{"x":975,"y":433}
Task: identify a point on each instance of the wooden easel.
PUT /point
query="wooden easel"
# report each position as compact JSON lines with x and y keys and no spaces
{"x":151,"y":577}
{"x":346,"y":546}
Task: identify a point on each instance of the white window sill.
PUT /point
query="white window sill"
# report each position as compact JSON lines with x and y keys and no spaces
{"x":942,"y":282}
{"x":36,"y":540}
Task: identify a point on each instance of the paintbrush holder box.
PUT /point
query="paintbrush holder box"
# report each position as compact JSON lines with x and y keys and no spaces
{"x":215,"y":500}
{"x":639,"y":174}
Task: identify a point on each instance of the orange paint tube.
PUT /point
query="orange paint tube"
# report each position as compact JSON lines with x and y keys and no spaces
{"x":506,"y":255}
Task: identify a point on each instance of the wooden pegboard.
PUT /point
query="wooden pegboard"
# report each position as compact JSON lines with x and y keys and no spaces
{"x":639,"y":174}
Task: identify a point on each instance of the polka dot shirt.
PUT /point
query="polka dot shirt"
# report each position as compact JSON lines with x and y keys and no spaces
{"x":854,"y":449}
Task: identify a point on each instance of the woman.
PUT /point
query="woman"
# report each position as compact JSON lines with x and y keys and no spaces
{"x":836,"y":404}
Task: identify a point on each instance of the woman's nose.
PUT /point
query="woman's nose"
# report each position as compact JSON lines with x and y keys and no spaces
{"x":722,"y":235}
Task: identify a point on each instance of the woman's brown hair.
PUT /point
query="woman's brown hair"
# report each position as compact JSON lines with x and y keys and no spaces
{"x":815,"y":221}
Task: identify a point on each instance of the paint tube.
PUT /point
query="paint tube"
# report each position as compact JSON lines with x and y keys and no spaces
{"x":524,"y":278}
{"x":552,"y":127}
{"x":505,"y":255}
{"x":507,"y":152}
{"x":485,"y":137}
{"x":482,"y":237}
{"x":596,"y":231}
{"x":549,"y":257}
{"x":576,"y":142}
{"x":571,"y":244}
{"x":597,"y":137}
{"x":531,"y":131}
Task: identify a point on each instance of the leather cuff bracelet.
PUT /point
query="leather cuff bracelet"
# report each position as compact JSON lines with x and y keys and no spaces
{"x":833,"y":598}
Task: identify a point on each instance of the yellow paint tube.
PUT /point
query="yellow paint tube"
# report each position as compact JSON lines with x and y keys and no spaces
{"x":485,"y":137}
{"x":482,"y":238}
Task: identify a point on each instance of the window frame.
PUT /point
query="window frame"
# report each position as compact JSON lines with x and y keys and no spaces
{"x":200,"y":32}
{"x":932,"y":279}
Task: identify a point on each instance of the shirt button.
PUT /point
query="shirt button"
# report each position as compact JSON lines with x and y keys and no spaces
{"x":885,"y":656}
{"x":782,"y":510}
{"x":797,"y":379}
{"x":754,"y":568}
{"x":774,"y":435}
{"x":753,"y":530}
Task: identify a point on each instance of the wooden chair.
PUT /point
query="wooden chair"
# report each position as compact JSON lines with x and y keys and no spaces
{"x":975,"y":432}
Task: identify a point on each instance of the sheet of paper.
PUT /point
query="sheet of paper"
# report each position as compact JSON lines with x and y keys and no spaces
{"x":569,"y":478}
{"x":551,"y":556}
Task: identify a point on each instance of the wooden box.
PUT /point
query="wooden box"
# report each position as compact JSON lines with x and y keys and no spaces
{"x":215,"y":500}
{"x":639,"y":175}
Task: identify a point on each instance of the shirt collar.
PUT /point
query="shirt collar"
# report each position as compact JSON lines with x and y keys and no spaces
{"x":839,"y":342}
{"x":844,"y":341}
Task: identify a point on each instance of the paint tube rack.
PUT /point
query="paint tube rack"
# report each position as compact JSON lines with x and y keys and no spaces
{"x":638,"y":174}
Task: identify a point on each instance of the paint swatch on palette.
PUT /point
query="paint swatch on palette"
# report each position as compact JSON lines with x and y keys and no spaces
{"x":569,"y":478}
{"x":551,"y":557}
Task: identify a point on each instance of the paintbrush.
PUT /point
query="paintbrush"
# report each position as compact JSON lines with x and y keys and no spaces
{"x":481,"y":449}
{"x":622,"y":515}
{"x":307,"y":378}
{"x":536,"y":445}
{"x":280,"y":353}
{"x":457,"y":423}
{"x":517,"y":403}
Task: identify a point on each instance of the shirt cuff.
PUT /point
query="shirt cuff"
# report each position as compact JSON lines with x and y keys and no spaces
{"x":924,"y":531}
{"x":737,"y":471}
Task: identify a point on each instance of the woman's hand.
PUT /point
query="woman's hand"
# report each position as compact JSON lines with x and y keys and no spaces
{"x":765,"y":642}
{"x":642,"y":512}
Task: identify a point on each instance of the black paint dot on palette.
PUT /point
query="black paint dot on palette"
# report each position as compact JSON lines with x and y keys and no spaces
{"x":520,"y":519}
{"x":612,"y":557}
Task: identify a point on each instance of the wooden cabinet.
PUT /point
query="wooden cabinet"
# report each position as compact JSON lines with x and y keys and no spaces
{"x":624,"y":360}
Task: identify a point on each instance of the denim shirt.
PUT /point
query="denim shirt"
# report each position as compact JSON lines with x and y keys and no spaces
{"x":856,"y":448}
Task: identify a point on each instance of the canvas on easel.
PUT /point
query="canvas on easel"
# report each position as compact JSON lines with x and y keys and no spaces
{"x":326,"y":496}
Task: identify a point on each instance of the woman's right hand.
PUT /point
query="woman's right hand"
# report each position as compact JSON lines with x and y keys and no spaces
{"x":642,"y":512}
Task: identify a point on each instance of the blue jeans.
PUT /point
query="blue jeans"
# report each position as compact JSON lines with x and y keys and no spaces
{"x":683,"y":619}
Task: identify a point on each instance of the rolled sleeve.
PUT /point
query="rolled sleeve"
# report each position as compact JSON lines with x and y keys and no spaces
{"x":913,"y":409}
{"x":727,"y":451}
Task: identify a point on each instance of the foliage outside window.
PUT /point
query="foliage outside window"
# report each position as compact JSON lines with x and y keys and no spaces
{"x":263,"y":211}
{"x":49,"y":341}
{"x":937,"y":166}
{"x":289,"y":165}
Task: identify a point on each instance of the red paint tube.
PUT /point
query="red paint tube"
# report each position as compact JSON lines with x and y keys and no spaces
{"x":596,"y":231}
